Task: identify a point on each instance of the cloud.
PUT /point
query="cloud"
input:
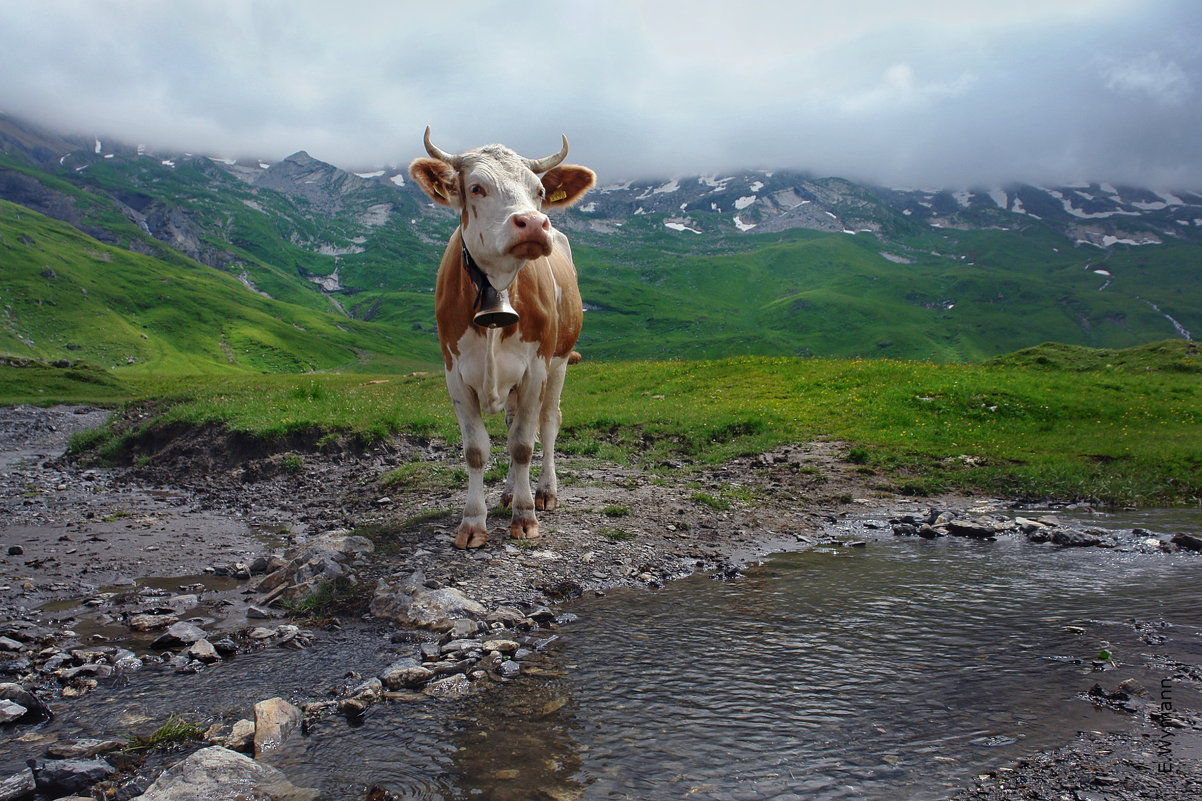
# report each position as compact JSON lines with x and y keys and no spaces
{"x":922,"y":93}
{"x":1163,"y":81}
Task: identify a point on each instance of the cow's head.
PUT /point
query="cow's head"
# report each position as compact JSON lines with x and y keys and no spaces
{"x":501,"y":197}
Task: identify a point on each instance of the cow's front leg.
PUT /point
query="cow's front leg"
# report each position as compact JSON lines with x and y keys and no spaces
{"x":523,"y":524}
{"x":473,"y":529}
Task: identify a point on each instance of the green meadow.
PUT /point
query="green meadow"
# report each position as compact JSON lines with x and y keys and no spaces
{"x":1048,"y":423}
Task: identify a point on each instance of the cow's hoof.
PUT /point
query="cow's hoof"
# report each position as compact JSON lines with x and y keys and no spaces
{"x":470,"y":536}
{"x":524,"y":529}
{"x":545,"y":501}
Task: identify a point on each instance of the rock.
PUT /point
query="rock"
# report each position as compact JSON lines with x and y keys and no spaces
{"x":151,"y":622}
{"x":15,"y":550}
{"x":62,"y":776}
{"x":342,"y":542}
{"x":179,"y":603}
{"x":972,"y":529}
{"x":15,"y":667}
{"x":1070,"y":538}
{"x":405,"y":674}
{"x":464,"y":628}
{"x":11,"y":645}
{"x":369,"y":690}
{"x":505,"y":615}
{"x":241,"y":736}
{"x":503,"y":646}
{"x":203,"y":651}
{"x":275,"y":719}
{"x":225,"y":646}
{"x":11,"y":711}
{"x":37,"y":711}
{"x":456,"y":686}
{"x":422,"y":607}
{"x":217,"y":772}
{"x":178,"y":634}
{"x":1187,"y":542}
{"x":17,"y":785}
{"x":508,"y":669}
{"x":459,"y":647}
{"x":93,"y":669}
{"x":83,"y":749}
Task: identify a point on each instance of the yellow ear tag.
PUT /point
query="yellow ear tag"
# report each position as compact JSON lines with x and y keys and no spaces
{"x":438,"y":191}
{"x":557,"y":196}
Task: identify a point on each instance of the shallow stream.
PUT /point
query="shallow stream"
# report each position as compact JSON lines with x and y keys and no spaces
{"x":896,"y":670}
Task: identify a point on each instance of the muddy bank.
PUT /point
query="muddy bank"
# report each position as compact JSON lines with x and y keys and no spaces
{"x":97,"y":547}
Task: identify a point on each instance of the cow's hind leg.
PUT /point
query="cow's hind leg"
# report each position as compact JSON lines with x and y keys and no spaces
{"x":547,"y":495}
{"x":524,"y":524}
{"x":507,"y":493}
{"x":473,"y":530}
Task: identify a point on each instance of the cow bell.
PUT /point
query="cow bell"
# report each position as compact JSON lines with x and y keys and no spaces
{"x":495,"y":311}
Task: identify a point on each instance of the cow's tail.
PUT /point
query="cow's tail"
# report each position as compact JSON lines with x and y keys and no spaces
{"x":574,"y":357}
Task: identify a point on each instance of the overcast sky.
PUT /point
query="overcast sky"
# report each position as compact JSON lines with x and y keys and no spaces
{"x":915,"y":93}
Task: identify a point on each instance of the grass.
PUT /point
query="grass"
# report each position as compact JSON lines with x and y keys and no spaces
{"x":330,"y":599}
{"x":712,"y":501}
{"x":1123,"y":431}
{"x":174,"y":732}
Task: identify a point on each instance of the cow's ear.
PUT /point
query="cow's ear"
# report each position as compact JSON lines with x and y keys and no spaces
{"x":566,"y":184}
{"x":437,"y":179}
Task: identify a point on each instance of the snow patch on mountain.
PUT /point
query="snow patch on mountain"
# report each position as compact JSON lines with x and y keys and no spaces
{"x":677,"y":225}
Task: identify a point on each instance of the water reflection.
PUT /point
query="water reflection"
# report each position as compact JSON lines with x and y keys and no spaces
{"x":519,"y":744}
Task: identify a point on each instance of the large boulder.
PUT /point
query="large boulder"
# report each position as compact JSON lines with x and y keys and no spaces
{"x":411,"y":603}
{"x":217,"y":772}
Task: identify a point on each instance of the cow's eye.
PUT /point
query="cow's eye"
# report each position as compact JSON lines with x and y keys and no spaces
{"x":477,"y":190}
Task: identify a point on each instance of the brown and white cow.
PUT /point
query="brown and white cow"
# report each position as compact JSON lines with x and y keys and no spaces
{"x":508,"y":311}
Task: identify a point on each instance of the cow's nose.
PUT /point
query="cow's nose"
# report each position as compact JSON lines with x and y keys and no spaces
{"x":531,"y":221}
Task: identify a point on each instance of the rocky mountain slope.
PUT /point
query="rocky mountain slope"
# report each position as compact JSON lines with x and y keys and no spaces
{"x":855,"y":270}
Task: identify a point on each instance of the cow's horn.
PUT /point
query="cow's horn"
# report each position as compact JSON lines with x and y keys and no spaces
{"x":441,"y":155}
{"x":544,"y":164}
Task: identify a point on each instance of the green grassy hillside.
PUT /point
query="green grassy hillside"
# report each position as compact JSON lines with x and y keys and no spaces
{"x":945,"y":296}
{"x":66,"y":295}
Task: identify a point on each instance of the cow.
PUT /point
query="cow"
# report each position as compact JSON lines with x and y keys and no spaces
{"x":509,"y":313}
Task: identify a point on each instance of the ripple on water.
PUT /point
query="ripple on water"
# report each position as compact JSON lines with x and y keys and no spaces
{"x":855,"y":674}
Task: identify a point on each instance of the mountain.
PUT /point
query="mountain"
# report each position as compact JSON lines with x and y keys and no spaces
{"x":756,"y":262}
